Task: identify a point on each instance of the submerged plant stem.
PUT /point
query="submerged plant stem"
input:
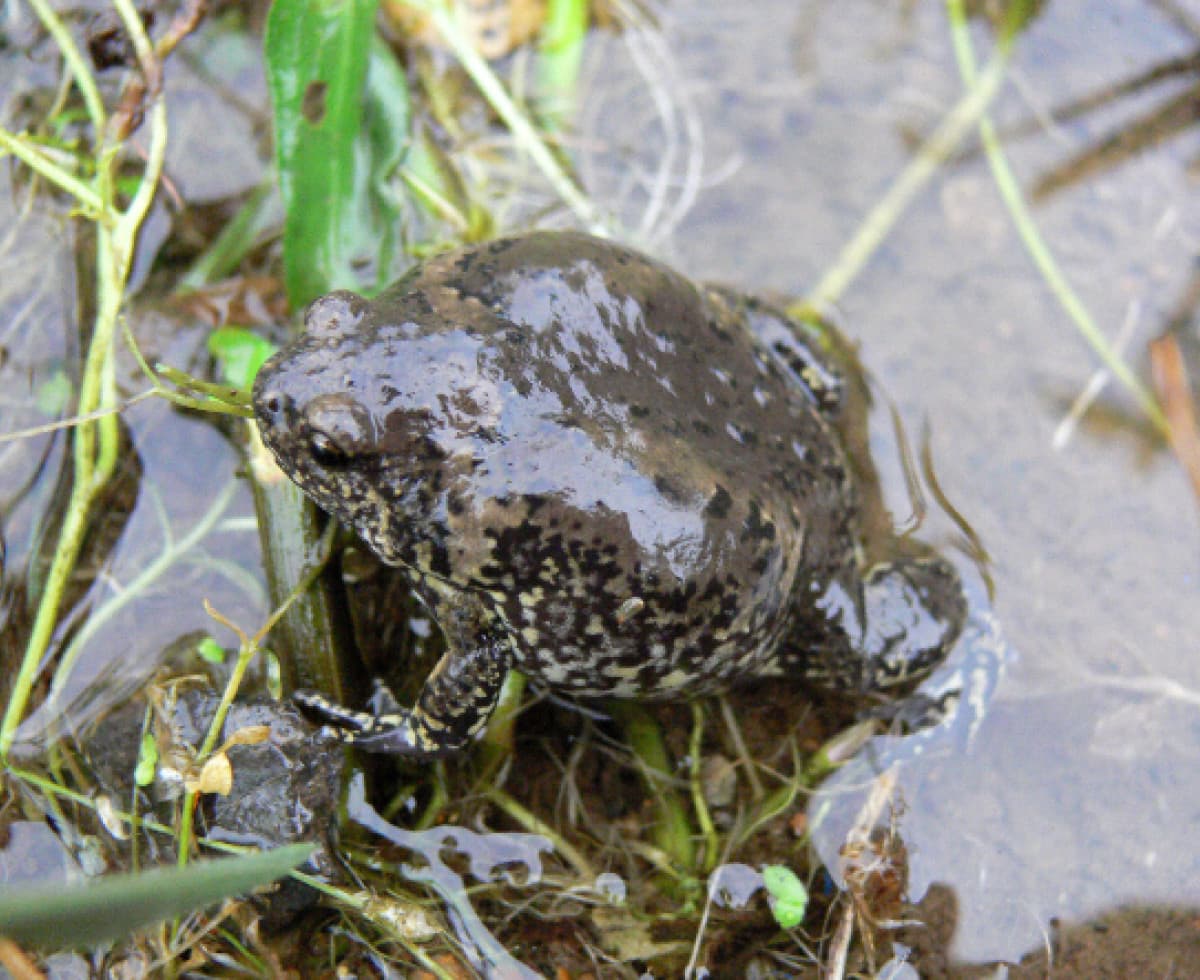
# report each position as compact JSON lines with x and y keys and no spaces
{"x":883,"y":217}
{"x":1039,"y":252}
{"x":37,"y":162}
{"x":526,"y":135}
{"x":695,"y":756}
{"x":95,"y":443}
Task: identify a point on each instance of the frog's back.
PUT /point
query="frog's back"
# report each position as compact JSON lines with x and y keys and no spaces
{"x":640,"y":410}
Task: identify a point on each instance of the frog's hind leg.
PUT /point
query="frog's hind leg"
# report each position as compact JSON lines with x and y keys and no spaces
{"x":864,"y":637}
{"x":453,"y":706}
{"x":914,"y":610}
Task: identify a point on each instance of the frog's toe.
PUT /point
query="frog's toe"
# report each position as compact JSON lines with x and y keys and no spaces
{"x":916,"y":713}
{"x":401,"y":732}
{"x":332,"y":712}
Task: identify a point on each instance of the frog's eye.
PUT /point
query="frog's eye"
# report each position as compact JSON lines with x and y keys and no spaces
{"x":339,"y":430}
{"x":326,"y":452}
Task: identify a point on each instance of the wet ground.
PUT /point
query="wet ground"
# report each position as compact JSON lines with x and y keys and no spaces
{"x":1076,"y":800}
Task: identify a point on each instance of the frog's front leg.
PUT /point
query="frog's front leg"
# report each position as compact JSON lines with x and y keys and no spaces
{"x":456,"y":701}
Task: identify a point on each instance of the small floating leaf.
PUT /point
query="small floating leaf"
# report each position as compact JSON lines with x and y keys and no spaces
{"x":789,"y":897}
{"x":54,"y":394}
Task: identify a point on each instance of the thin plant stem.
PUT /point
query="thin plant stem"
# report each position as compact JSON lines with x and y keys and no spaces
{"x":527,"y":136}
{"x":171,"y":553}
{"x":75,"y":61}
{"x":699,"y":804}
{"x":1039,"y":251}
{"x":95,"y":445}
{"x":248,"y":647}
{"x":883,"y":217}
{"x":40,"y":164}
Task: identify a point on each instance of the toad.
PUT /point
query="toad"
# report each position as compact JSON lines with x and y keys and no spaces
{"x":621,"y":482}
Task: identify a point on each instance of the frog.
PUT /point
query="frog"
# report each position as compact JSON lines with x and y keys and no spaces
{"x":593,"y":470}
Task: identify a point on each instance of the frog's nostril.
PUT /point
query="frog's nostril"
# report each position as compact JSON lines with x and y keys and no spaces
{"x":272,"y":403}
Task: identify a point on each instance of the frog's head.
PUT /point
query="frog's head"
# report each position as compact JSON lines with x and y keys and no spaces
{"x":381,"y":418}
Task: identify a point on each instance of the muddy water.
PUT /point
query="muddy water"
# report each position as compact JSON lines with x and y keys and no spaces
{"x":1078,"y":794}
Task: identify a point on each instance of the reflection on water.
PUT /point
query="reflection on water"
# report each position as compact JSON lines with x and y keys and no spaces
{"x":1075,"y":796}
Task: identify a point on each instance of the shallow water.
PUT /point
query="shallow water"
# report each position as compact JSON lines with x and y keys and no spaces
{"x":1078,"y":795}
{"x":1079,"y":792}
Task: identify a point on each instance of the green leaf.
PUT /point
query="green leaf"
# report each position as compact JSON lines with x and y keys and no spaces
{"x":789,"y":897}
{"x":147,"y":762}
{"x":210,"y":650}
{"x":560,"y":56}
{"x":67,"y":916}
{"x":341,"y":129}
{"x":240,"y":353}
{"x":54,"y":394}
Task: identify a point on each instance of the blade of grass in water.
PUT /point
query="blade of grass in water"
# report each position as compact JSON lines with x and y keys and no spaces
{"x":526,"y":135}
{"x":883,"y":217}
{"x":1010,"y":191}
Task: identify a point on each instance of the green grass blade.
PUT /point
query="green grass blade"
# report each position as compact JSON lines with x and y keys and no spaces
{"x":1039,"y":251}
{"x":559,"y":59}
{"x":341,"y":126}
{"x":62,"y":916}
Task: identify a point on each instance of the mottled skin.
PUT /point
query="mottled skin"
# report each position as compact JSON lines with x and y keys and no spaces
{"x":594,"y":470}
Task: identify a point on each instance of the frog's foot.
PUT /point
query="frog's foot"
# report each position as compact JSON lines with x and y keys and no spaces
{"x":452,"y":708}
{"x":915,"y":609}
{"x":401,"y":732}
{"x":917,"y":712}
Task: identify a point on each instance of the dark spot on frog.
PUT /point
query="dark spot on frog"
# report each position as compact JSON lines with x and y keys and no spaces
{"x":669,"y":489}
{"x":743,"y":557}
{"x":756,"y":528}
{"x":719,"y":504}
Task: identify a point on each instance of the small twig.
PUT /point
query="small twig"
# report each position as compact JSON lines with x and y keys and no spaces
{"x":17,"y":962}
{"x":1171,"y":380}
{"x":1095,"y":384}
{"x":41,"y":430}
